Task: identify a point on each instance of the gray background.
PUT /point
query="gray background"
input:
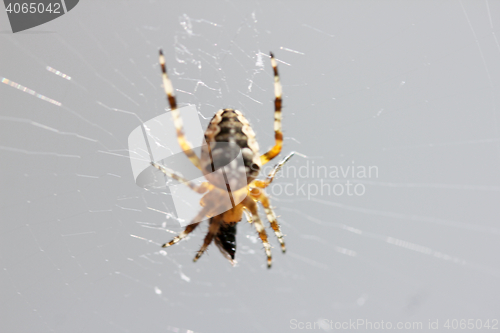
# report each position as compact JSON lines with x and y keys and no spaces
{"x":410,"y":87}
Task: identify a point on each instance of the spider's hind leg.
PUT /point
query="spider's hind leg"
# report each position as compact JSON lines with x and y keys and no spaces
{"x":169,"y":91}
{"x":278,"y":134}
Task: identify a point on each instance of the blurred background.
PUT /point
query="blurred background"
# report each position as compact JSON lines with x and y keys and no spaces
{"x":409,"y":89}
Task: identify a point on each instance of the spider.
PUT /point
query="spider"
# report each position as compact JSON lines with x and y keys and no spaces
{"x":229,"y":128}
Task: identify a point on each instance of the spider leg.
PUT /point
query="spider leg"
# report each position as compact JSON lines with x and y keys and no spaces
{"x":169,"y":91}
{"x":278,"y":135}
{"x":189,"y":228}
{"x":202,"y":188}
{"x":250,"y":204}
{"x":212,"y":231}
{"x":260,"y":196}
{"x":247,"y":215}
{"x":272,"y":174}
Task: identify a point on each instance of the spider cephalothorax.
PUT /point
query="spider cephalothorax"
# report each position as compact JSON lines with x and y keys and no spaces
{"x":228,"y":135}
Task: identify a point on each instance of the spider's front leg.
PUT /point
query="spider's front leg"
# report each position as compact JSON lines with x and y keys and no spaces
{"x":272,"y":174}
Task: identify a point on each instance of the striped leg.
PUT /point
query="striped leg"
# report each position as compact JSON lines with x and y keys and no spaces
{"x":247,"y":215}
{"x":272,"y":174}
{"x":278,"y":135}
{"x":202,"y":188}
{"x":252,"y":207}
{"x":169,"y":91}
{"x":189,"y":228}
{"x":264,"y":200}
{"x":212,"y":231}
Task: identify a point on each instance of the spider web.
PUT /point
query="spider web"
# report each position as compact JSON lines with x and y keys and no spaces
{"x":411,"y":92}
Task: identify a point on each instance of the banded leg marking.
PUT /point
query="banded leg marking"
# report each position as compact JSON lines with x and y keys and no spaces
{"x":188,"y":228}
{"x":278,"y":134}
{"x":259,"y":226}
{"x":169,"y":91}
{"x":202,"y":188}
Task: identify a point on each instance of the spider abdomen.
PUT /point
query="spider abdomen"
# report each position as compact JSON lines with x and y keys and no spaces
{"x":228,"y":134}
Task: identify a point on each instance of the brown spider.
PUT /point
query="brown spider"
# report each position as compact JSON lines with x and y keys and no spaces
{"x":228,"y":134}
